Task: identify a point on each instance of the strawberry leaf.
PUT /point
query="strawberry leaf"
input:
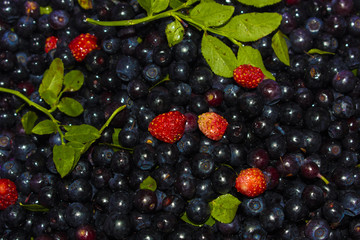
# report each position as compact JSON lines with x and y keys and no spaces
{"x":249,"y":27}
{"x":63,"y":157}
{"x":45,"y":127}
{"x":53,"y":78}
{"x":34,"y":207}
{"x":175,"y":3}
{"x":218,"y":55}
{"x":278,"y":43}
{"x":81,"y":133}
{"x":259,"y":3}
{"x":249,"y":55}
{"x":73,"y":80}
{"x":79,"y":148}
{"x":28,"y":121}
{"x":115,"y":136}
{"x":153,"y":6}
{"x":70,"y":107}
{"x":174,"y":33}
{"x":49,"y":97}
{"x":148,"y":183}
{"x":224,"y":208}
{"x":211,"y":13}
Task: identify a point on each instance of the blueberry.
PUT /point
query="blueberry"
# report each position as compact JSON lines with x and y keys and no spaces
{"x":127,"y":68}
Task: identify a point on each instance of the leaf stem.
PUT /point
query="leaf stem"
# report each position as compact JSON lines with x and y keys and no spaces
{"x":37,"y":106}
{"x":119,"y":109}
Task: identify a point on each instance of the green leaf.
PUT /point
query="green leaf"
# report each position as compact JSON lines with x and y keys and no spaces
{"x":209,"y":222}
{"x":249,"y":55}
{"x":259,"y":3}
{"x":175,"y":3}
{"x":73,"y":80}
{"x":153,"y":6}
{"x":278,"y":43}
{"x":70,"y":107}
{"x":49,"y":97}
{"x":174,"y":33}
{"x":318,"y":51}
{"x":218,"y":55}
{"x":53,"y":78}
{"x":148,"y":183}
{"x":355,"y":72}
{"x":28,"y":121}
{"x":115,"y":136}
{"x":63,"y":157}
{"x":45,"y":127}
{"x":249,"y":27}
{"x":78,"y":150}
{"x":211,"y":13}
{"x":224,"y":208}
{"x":34,"y":207}
{"x":81,"y":133}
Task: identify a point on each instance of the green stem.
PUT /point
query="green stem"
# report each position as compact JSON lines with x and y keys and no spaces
{"x":37,"y":106}
{"x":111,"y":118}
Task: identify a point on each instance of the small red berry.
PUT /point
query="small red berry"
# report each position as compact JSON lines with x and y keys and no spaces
{"x":8,"y":193}
{"x":251,"y":182}
{"x":248,"y":76}
{"x":168,"y":127}
{"x":82,"y":45}
{"x":212,"y":125}
{"x":50,"y":43}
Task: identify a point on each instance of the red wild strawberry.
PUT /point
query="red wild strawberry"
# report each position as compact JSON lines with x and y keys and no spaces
{"x":82,"y":45}
{"x":168,"y":127}
{"x":50,"y":43}
{"x":8,"y":193}
{"x":251,"y":182}
{"x":248,"y":76}
{"x":212,"y":125}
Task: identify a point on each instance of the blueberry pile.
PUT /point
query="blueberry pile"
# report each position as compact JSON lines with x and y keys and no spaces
{"x":301,"y":130}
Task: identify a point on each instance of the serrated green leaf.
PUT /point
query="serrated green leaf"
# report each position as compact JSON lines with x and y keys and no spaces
{"x":218,"y":55}
{"x":73,"y":81}
{"x":148,"y":183}
{"x":115,"y":136}
{"x":81,"y":133}
{"x":318,"y":51}
{"x":45,"y":127}
{"x":224,"y":208}
{"x":249,"y":55}
{"x":70,"y":107}
{"x":175,"y":3}
{"x":63,"y":157}
{"x":53,"y":78}
{"x":78,"y":150}
{"x":174,"y":33}
{"x":249,"y":27}
{"x":210,"y":222}
{"x":153,"y":6}
{"x":211,"y":13}
{"x":278,"y":43}
{"x":49,"y":97}
{"x":34,"y":207}
{"x":28,"y":121}
{"x":259,"y":3}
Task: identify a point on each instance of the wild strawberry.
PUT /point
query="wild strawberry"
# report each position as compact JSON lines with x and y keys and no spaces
{"x":212,"y":125}
{"x":8,"y":193}
{"x":50,"y":43}
{"x":251,"y":182}
{"x":248,"y":76}
{"x":82,"y":45}
{"x":168,"y":127}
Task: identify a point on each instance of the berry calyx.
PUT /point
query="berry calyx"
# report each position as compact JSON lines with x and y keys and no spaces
{"x":248,"y":76}
{"x":212,"y":125}
{"x":82,"y":45}
{"x":8,"y":193}
{"x":168,"y":127}
{"x":251,"y":182}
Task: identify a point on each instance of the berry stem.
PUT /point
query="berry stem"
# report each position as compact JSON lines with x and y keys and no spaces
{"x":323,"y":178}
{"x":119,"y":109}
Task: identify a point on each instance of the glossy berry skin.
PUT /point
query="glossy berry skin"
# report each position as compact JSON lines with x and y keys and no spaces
{"x":145,"y":201}
{"x":50,"y":43}
{"x":82,"y":45}
{"x":248,"y":76}
{"x":317,"y":229}
{"x":198,"y":210}
{"x":168,"y":127}
{"x":212,"y":125}
{"x":8,"y":193}
{"x":251,"y":182}
{"x":59,"y":19}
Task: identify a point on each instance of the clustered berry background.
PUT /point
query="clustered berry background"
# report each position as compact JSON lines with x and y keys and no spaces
{"x":301,"y":130}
